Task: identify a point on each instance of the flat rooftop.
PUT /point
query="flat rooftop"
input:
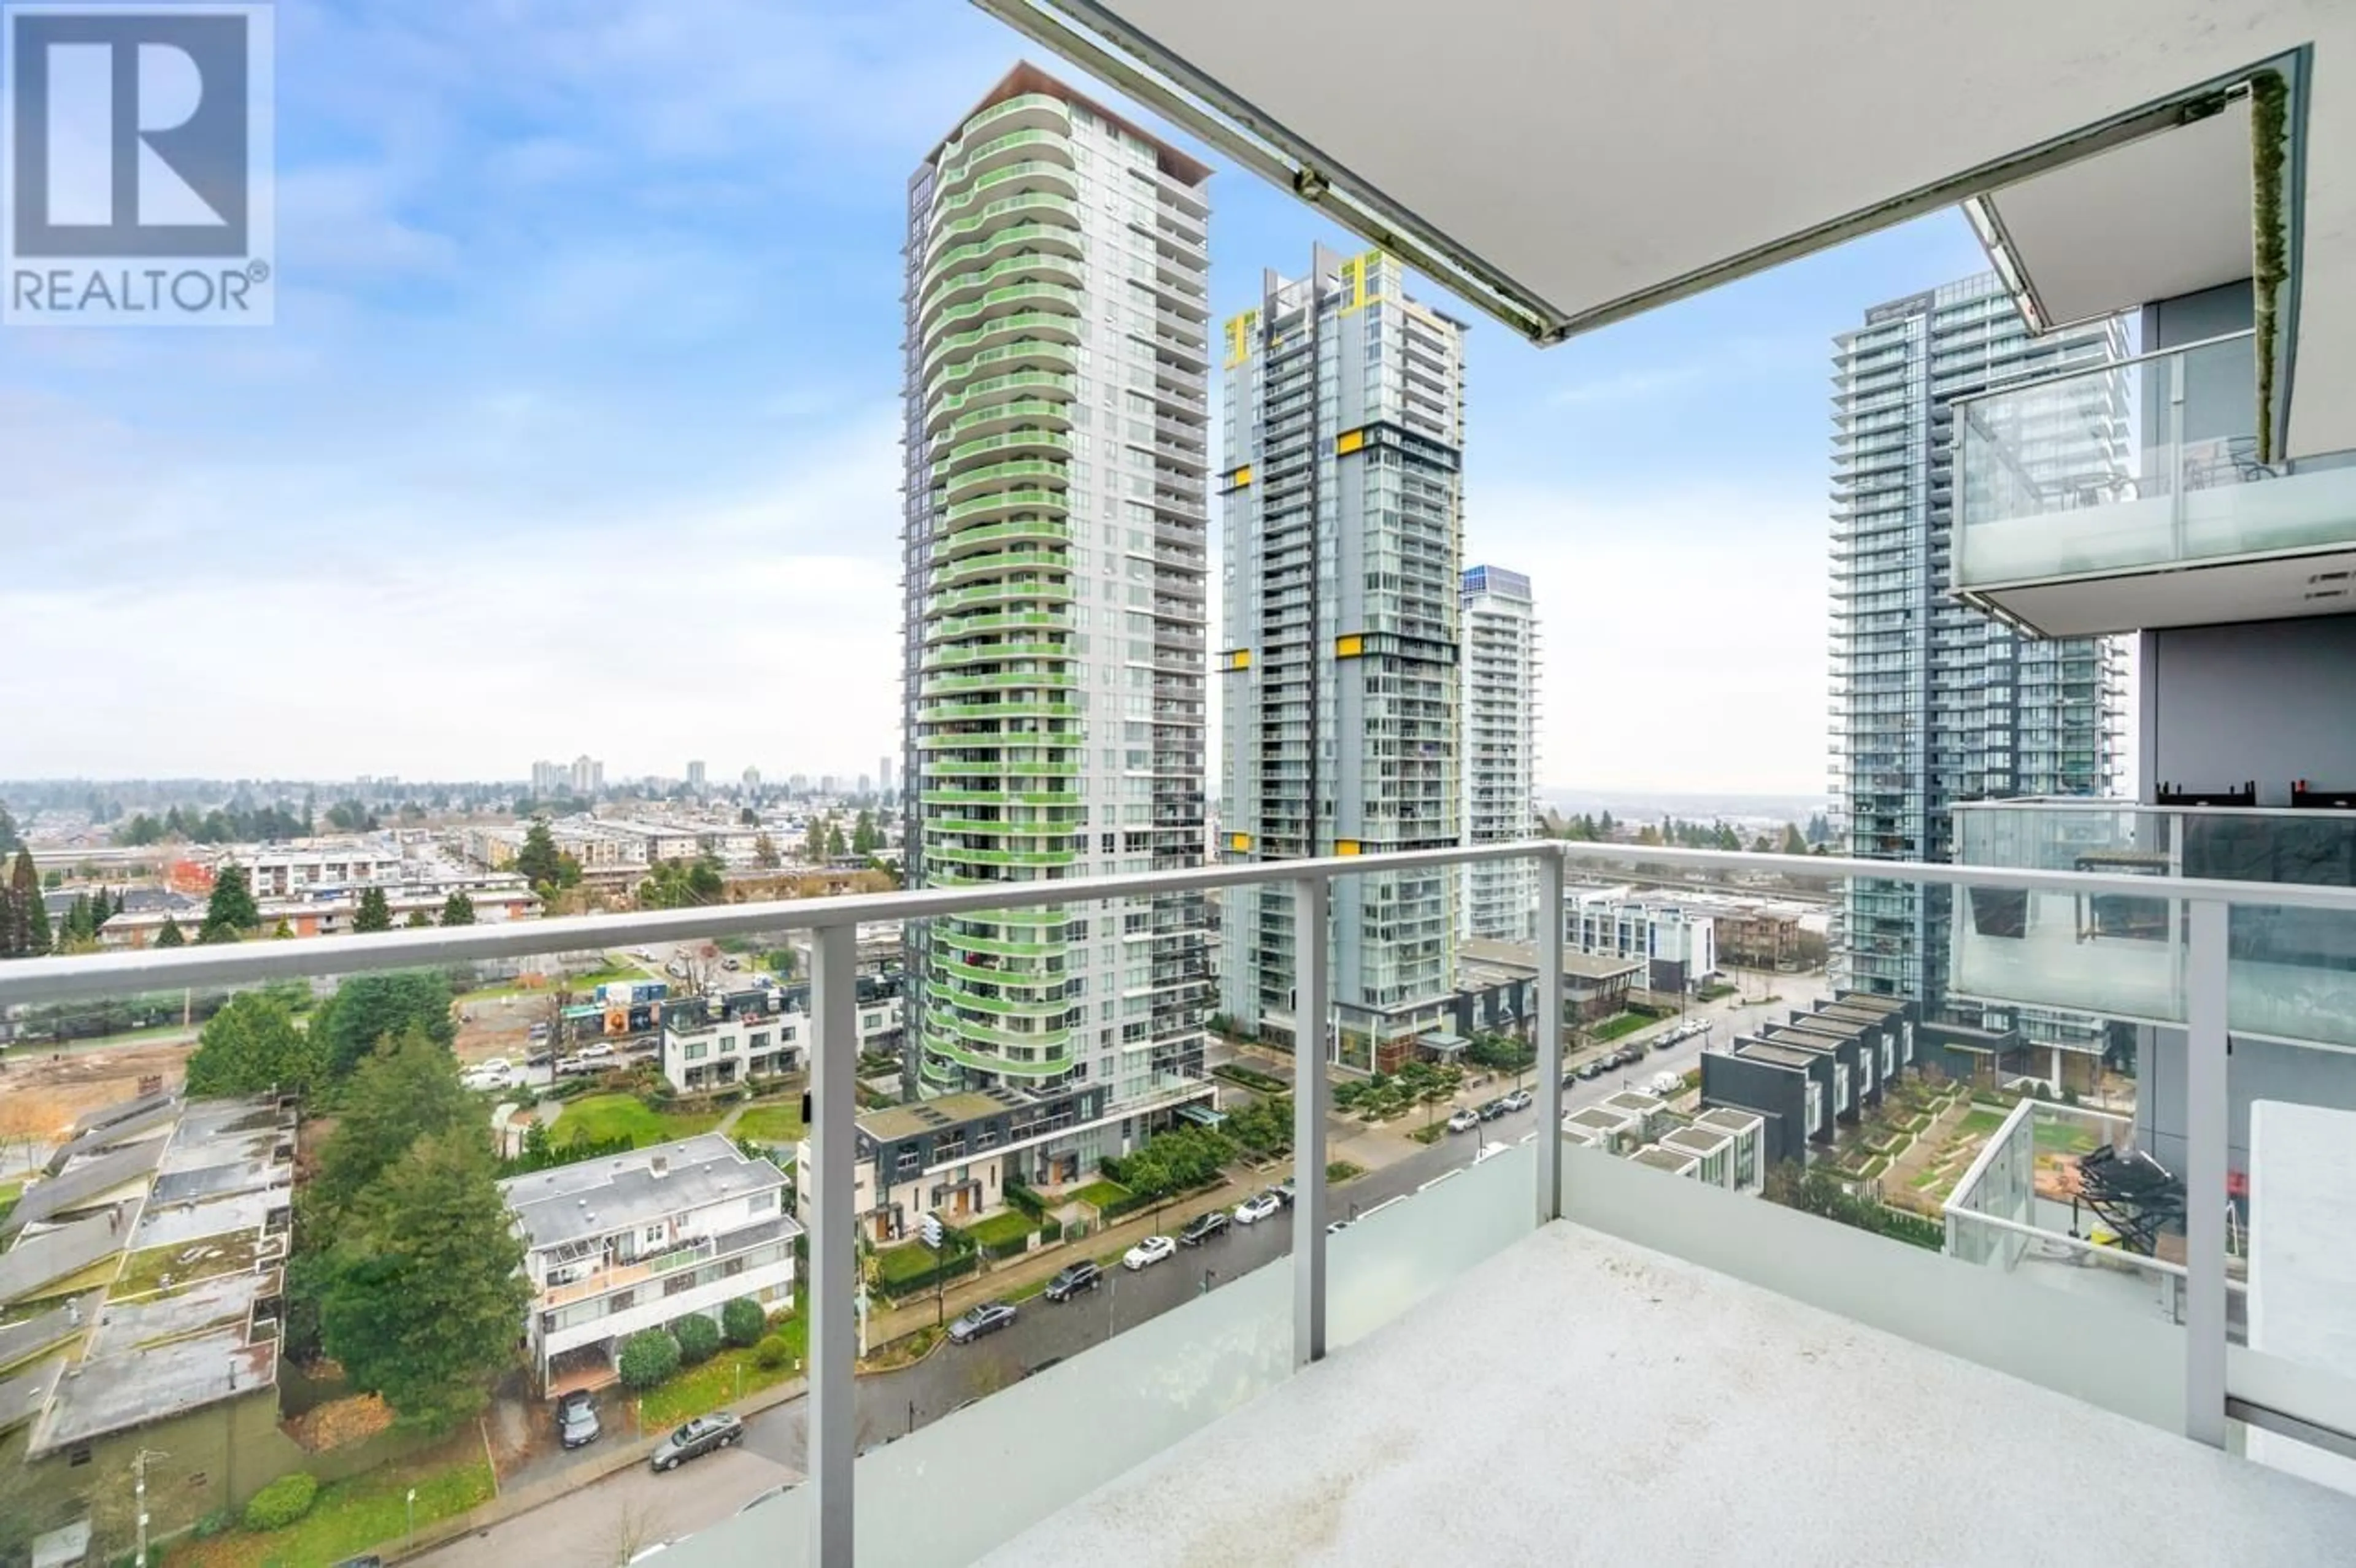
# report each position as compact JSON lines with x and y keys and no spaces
{"x":1780,"y":1055}
{"x":1523,"y":957}
{"x":896,"y":1122}
{"x":619,"y":1192}
{"x":159,"y":1383}
{"x":1682,"y":1384}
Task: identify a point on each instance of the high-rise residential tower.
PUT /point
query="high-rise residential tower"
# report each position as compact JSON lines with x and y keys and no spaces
{"x":695,"y":778}
{"x":1055,"y":558}
{"x":1340,"y":691}
{"x":1500,"y":757}
{"x":1935,"y":702}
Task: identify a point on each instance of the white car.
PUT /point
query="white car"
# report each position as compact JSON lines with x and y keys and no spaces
{"x":1464,"y":1119}
{"x":1147,"y":1252}
{"x":1259,"y":1206}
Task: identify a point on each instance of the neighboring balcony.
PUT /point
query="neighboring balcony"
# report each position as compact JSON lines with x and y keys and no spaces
{"x":2131,"y":494}
{"x":2290,"y":971}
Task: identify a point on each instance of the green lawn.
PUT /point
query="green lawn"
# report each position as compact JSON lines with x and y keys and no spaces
{"x":727,"y":1376}
{"x":1981,"y":1121}
{"x":1624,"y":1023}
{"x":2065,"y":1137}
{"x":610,"y":971}
{"x":613,"y":1116}
{"x":351,"y":1517}
{"x":1101,"y":1193}
{"x":1341,"y":1170}
{"x":1000,"y":1229}
{"x":777,"y":1123}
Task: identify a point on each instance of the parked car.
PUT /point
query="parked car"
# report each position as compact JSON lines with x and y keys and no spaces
{"x":702,"y":1435}
{"x":1490,"y":1110}
{"x":1630,"y":1055}
{"x":538,"y":1033}
{"x":1594,"y":1067}
{"x":1669,"y":1041}
{"x":539,"y":1058}
{"x":731,"y":964}
{"x":1519,"y":1100}
{"x":676,"y":969}
{"x":987,"y":1319}
{"x":576,"y":1420}
{"x":1283,"y":1190}
{"x":1464,"y":1119}
{"x":1148,"y":1252}
{"x":1202,"y":1227}
{"x":1257,"y":1207}
{"x":1072,"y":1279}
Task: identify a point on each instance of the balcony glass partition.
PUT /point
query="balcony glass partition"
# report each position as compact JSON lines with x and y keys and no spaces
{"x":2291,"y":970}
{"x":2135,"y":466}
{"x":1924,"y":1192}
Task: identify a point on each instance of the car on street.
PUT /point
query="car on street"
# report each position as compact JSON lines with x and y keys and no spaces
{"x":496,"y":1073}
{"x":676,"y":969}
{"x":539,"y":1058}
{"x":1257,"y":1207}
{"x":704,"y":1434}
{"x":1148,"y":1252}
{"x":1490,"y":1110}
{"x":1283,"y":1190}
{"x":1519,"y":1100}
{"x":1630,"y":1056}
{"x":1202,"y":1227}
{"x":538,"y":1033}
{"x":644,"y":955}
{"x":1671,"y":1041}
{"x":987,"y":1319}
{"x":1072,"y":1279}
{"x":731,"y":963}
{"x":1593,"y":1068}
{"x":1464,"y":1119}
{"x":576,"y":1420}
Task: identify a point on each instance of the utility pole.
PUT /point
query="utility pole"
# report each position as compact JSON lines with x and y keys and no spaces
{"x":139,"y":1502}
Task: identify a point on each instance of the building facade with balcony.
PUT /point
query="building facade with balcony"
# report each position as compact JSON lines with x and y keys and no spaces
{"x":1500,"y":757}
{"x":1934,"y":702}
{"x":622,"y":1243}
{"x":1055,"y":549}
{"x":1676,"y":943}
{"x":1340,"y":691}
{"x":724,"y":1039}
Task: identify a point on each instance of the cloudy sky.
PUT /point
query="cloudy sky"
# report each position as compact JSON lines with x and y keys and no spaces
{"x":576,"y":432}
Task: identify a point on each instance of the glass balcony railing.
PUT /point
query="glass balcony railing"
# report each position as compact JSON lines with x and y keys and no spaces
{"x":2116,"y":1250}
{"x":2122,"y":469}
{"x":2290,"y":969}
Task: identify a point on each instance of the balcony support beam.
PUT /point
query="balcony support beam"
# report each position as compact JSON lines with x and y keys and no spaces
{"x":833,"y":1249}
{"x":2205,"y":1134}
{"x":1310,"y":1079}
{"x":1549,"y":1037}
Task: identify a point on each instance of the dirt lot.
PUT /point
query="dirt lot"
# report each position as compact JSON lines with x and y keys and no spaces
{"x":41,"y":1095}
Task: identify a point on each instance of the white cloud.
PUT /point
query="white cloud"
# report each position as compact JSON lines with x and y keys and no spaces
{"x":1684,"y":634}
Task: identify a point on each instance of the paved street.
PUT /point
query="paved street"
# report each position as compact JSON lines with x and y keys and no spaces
{"x":585,"y":1528}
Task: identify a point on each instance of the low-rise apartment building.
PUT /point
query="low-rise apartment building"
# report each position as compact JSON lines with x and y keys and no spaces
{"x":1676,"y":942}
{"x":720,"y":1040}
{"x":618,"y":1244}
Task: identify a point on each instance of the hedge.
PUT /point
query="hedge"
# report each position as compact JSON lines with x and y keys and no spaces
{"x":1252,"y":1078}
{"x":1023,"y":1198}
{"x":743,"y":1322}
{"x":698,"y":1338}
{"x":282,"y":1502}
{"x":773,"y":1352}
{"x":1051,"y":1231}
{"x":648,"y":1357}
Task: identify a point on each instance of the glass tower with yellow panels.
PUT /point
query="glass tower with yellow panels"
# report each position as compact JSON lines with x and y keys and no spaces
{"x":1056,"y":558}
{"x":1340,"y":693}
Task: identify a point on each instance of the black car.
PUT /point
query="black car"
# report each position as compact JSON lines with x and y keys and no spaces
{"x":1593,"y":1068}
{"x":987,"y":1319}
{"x":1668,"y":1042}
{"x":1074,"y":1279}
{"x":1490,"y":1110}
{"x":576,"y":1420}
{"x":1209,"y":1223}
{"x":702,"y":1435}
{"x":1283,"y":1190}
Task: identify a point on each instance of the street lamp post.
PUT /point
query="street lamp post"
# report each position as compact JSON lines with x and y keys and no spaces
{"x":409,"y":1508}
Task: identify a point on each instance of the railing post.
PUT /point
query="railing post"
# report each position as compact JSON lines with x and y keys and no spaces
{"x":1549,"y":1030}
{"x":2171,"y":369}
{"x":2205,"y":1134}
{"x":833,"y":1255}
{"x":1308,"y":1096}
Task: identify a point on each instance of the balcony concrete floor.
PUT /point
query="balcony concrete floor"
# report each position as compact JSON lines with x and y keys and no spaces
{"x":1579,"y":1399}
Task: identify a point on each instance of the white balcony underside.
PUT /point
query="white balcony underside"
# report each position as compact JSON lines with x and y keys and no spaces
{"x":1580,"y":1399}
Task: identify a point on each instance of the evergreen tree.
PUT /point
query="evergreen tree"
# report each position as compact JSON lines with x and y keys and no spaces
{"x":864,"y":836}
{"x":230,"y":912}
{"x":254,"y":1044}
{"x":171,"y":935}
{"x":9,"y":841}
{"x":374,"y":914}
{"x":458,"y":910}
{"x":281,"y":932}
{"x":835,"y":847}
{"x":424,"y":1287}
{"x":369,"y":1009}
{"x":1606,"y":825}
{"x":406,"y":1089}
{"x":1794,"y":844}
{"x":814,"y":841}
{"x":537,"y":860}
{"x":31,"y":914}
{"x":765,"y":852}
{"x":419,"y":921}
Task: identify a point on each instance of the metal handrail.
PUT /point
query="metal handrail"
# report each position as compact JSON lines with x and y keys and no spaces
{"x":2095,"y":367}
{"x":56,"y":979}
